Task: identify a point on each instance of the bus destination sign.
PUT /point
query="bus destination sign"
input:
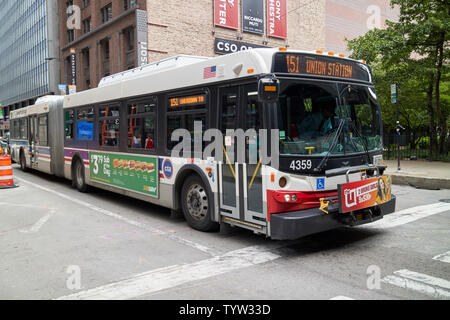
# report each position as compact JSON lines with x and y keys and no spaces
{"x":320,"y":66}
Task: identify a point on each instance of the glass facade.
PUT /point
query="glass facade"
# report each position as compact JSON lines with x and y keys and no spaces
{"x":24,"y":47}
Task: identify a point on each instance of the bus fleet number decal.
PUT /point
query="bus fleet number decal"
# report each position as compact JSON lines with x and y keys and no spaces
{"x":301,"y":165}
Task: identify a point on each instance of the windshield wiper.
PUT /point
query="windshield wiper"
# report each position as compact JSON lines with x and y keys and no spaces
{"x":366,"y":147}
{"x":332,"y":147}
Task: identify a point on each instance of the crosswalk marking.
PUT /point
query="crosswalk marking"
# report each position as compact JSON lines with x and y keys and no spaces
{"x":169,"y":277}
{"x":341,"y":298}
{"x":422,"y":283}
{"x":445,"y":257}
{"x":402,"y":217}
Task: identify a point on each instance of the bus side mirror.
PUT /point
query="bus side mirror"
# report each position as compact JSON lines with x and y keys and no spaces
{"x":268,"y":89}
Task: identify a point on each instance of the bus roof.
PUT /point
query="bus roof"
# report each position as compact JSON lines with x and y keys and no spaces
{"x":42,"y":105}
{"x":180,"y":72}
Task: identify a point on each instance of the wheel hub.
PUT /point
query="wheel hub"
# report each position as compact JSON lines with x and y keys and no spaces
{"x":197,"y":202}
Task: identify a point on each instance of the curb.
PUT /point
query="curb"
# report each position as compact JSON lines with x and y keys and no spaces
{"x":420,"y":182}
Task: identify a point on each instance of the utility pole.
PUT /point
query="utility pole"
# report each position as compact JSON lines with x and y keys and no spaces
{"x":394,"y":99}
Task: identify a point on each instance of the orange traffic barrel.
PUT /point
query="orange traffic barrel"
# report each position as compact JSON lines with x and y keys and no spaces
{"x":6,"y":173}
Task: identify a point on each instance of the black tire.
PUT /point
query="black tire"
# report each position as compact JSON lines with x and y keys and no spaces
{"x":23,"y":163}
{"x":197,"y":205}
{"x":78,"y":179}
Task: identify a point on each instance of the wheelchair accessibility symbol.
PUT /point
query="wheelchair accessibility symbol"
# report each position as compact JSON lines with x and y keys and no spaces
{"x":320,"y":184}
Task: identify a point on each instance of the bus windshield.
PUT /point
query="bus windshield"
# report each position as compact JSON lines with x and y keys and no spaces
{"x":310,"y":113}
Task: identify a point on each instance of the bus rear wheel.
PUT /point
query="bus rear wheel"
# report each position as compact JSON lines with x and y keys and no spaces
{"x":78,"y":177}
{"x":196,"y":205}
{"x":23,"y":163}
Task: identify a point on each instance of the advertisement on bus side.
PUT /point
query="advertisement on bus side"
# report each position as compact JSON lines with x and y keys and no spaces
{"x":128,"y":172}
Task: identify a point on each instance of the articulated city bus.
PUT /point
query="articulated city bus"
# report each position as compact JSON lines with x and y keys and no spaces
{"x":318,"y":114}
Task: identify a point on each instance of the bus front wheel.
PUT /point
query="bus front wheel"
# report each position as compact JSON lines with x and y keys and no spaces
{"x":196,"y":205}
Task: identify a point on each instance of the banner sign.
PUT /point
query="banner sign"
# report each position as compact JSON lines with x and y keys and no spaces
{"x":1,"y":112}
{"x":73,"y":69}
{"x":127,"y":172}
{"x":141,"y":37}
{"x":224,"y":46}
{"x":277,"y":19}
{"x":226,"y":13}
{"x":253,"y":16}
{"x":364,"y":194}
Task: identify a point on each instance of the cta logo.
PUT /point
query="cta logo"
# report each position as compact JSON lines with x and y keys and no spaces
{"x":168,"y":168}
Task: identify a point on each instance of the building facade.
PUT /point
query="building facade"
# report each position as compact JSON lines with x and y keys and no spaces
{"x":29,"y":47}
{"x":98,"y":38}
{"x":116,"y":35}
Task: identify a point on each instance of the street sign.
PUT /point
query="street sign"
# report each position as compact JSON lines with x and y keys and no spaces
{"x":394,"y":93}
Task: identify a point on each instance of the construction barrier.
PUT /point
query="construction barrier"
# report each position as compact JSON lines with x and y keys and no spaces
{"x":6,"y":172}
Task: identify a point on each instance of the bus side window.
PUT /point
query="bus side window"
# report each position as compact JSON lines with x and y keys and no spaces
{"x":109,"y":126}
{"x":69,"y":124}
{"x":182,"y":113}
{"x":43,"y":133}
{"x":85,"y":124}
{"x":23,"y":129}
{"x":142,"y":124}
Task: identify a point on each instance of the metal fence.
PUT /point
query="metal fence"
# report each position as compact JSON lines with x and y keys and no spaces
{"x":413,"y":146}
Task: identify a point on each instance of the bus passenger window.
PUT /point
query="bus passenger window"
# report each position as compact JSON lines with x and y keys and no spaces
{"x":69,"y":124}
{"x":142,"y":125}
{"x":182,"y":113}
{"x":43,"y":131}
{"x":85,"y":124}
{"x":109,"y":126}
{"x":23,"y":129}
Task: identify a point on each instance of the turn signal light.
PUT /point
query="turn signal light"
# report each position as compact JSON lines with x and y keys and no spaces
{"x":319,"y":51}
{"x":283,"y":182}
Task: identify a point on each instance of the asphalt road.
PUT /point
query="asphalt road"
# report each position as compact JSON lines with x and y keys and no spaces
{"x":57,"y":243}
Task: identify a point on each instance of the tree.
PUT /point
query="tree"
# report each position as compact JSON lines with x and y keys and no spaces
{"x":413,"y":52}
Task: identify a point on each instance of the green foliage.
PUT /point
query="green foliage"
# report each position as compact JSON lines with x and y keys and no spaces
{"x":406,"y":52}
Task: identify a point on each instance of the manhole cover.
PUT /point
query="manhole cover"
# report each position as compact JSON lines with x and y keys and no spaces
{"x":445,"y":200}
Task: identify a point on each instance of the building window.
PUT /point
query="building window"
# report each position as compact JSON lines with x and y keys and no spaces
{"x":128,"y":4}
{"x":86,"y":67}
{"x":109,"y":126}
{"x":130,"y":39}
{"x":106,"y":57}
{"x":106,"y":13}
{"x":85,"y":3}
{"x":70,"y":35}
{"x":87,"y":25}
{"x":142,"y":125}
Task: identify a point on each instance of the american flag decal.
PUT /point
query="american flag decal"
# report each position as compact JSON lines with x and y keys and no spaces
{"x":209,"y":72}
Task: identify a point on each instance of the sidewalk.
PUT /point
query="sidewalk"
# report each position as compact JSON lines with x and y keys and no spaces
{"x":420,"y":173}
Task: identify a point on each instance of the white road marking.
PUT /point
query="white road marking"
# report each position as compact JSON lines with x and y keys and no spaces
{"x":105,"y":212}
{"x":445,"y":257}
{"x":422,"y":283}
{"x":408,"y":215}
{"x":342,"y":298}
{"x":172,"y":276}
{"x":35,"y":228}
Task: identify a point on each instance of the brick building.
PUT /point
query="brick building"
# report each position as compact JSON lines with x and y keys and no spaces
{"x":116,"y":35}
{"x":101,"y":40}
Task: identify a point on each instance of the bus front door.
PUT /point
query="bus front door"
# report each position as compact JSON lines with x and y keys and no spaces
{"x":241,"y":183}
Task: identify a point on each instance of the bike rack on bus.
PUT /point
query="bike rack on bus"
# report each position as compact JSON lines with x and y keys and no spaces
{"x":348,"y":170}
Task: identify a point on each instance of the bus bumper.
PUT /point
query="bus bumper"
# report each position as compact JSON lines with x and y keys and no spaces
{"x":294,"y":225}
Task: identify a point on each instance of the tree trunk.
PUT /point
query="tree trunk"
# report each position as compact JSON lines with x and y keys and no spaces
{"x":440,"y":117}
